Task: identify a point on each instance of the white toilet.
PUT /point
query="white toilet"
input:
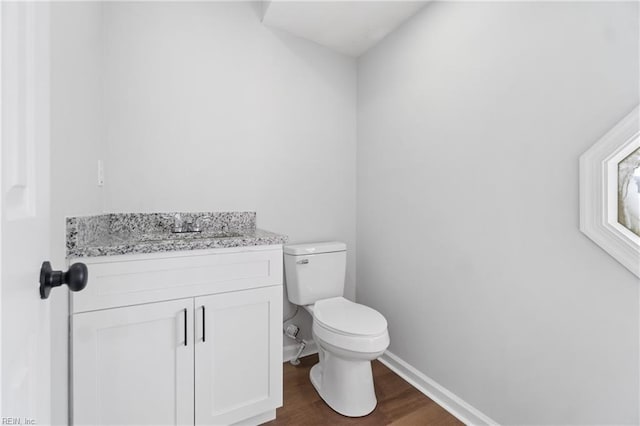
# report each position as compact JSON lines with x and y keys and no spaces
{"x":349,"y":335}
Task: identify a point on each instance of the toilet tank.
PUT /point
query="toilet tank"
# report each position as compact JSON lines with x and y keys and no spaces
{"x":314,"y":271}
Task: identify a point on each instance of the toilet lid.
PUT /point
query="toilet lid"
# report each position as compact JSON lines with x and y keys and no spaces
{"x":344,"y":316}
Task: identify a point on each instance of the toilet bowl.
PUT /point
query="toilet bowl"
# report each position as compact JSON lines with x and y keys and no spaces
{"x":348,"y":335}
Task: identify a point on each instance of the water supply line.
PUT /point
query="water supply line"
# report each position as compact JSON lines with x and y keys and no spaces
{"x":291,"y":332}
{"x":296,"y":359}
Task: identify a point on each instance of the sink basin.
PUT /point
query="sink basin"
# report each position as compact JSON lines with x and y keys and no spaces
{"x":165,"y":236}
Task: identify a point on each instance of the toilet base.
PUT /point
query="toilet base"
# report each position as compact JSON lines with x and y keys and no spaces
{"x":315,"y":375}
{"x":345,"y":385}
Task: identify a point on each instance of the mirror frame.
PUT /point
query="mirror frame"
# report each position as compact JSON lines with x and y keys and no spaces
{"x":599,"y":192}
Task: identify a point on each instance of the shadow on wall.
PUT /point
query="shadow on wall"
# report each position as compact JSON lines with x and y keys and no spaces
{"x":302,"y":319}
{"x":314,"y":57}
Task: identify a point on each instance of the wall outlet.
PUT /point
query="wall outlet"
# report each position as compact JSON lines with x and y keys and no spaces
{"x":100,"y":173}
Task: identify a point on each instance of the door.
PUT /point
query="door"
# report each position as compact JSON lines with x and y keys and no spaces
{"x":238,"y":355}
{"x":134,"y":365}
{"x":24,"y":210}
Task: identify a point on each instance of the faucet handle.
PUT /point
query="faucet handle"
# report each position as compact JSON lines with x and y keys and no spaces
{"x":177,"y":223}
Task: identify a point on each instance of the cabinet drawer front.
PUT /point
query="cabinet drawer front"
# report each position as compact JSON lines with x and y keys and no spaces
{"x":142,"y":279}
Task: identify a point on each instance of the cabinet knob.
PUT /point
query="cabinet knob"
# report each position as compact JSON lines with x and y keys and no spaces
{"x":76,"y":278}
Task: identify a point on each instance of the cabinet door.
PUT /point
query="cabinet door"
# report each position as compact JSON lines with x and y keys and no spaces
{"x":134,"y":365}
{"x":238,"y":355}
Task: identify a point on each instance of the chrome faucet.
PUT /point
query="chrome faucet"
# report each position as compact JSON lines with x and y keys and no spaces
{"x":181,"y":225}
{"x":187,"y":225}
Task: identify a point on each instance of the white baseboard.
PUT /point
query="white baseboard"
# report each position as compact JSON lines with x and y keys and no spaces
{"x":455,"y":405}
{"x":289,"y":351}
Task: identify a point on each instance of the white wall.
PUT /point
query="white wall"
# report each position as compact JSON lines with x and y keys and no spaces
{"x":205,"y":109}
{"x":471,"y":119}
{"x":76,"y":146}
{"x":196,"y":106}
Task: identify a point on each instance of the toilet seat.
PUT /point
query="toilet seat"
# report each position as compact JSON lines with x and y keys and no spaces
{"x":350,"y":326}
{"x":346,"y":317}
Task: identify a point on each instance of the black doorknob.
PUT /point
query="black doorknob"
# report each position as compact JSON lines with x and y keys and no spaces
{"x":75,"y":278}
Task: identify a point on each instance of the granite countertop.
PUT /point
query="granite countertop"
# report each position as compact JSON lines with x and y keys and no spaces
{"x":135,"y":233}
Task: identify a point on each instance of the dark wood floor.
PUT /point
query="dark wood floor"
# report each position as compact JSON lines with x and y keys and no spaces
{"x":399,"y":404}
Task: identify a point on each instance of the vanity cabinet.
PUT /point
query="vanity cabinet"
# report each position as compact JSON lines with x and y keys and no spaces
{"x":212,"y":354}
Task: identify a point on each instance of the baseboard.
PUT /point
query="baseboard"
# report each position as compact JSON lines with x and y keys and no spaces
{"x":455,"y":405}
{"x":289,"y":351}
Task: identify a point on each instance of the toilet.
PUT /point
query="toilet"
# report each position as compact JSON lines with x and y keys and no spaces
{"x":348,"y":335}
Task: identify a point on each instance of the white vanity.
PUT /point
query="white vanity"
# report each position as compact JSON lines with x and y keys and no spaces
{"x":178,"y":337}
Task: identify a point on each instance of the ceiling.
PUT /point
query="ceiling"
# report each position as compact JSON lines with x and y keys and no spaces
{"x":349,"y":27}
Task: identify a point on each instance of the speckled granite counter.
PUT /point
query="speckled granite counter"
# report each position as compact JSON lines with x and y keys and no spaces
{"x":135,"y":233}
